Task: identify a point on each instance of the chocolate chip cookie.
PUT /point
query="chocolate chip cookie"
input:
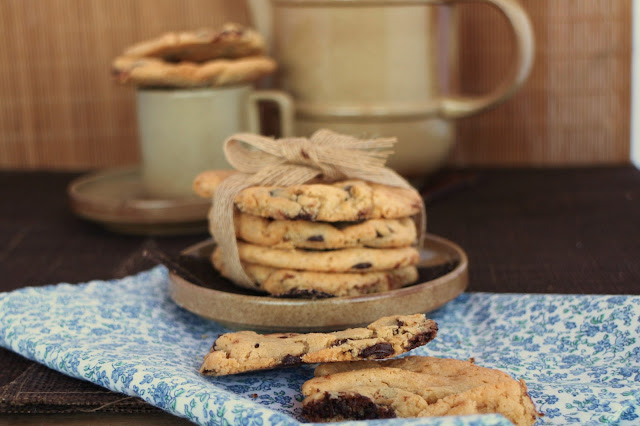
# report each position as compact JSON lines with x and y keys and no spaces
{"x":310,"y":284}
{"x":229,"y":42}
{"x":288,"y":234}
{"x":205,"y":183}
{"x":414,"y":386}
{"x":154,"y":72}
{"x":355,"y":259}
{"x":344,"y":201}
{"x":243,"y":351}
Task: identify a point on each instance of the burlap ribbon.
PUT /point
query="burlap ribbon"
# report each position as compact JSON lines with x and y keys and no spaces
{"x":264,"y":161}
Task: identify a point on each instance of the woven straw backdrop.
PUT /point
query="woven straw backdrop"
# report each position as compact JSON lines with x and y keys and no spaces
{"x":59,"y":108}
{"x":574,"y":108}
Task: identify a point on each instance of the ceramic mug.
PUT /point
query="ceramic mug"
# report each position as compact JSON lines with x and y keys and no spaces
{"x":371,"y":68}
{"x":182,"y":131}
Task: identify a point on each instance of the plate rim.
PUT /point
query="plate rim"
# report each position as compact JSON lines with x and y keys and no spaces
{"x":459,"y":276}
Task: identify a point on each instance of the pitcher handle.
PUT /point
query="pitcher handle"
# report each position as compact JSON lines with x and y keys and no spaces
{"x":463,"y":106}
{"x":285,"y":106}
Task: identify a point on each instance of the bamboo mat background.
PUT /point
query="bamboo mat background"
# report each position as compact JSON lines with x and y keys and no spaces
{"x":575,"y":106}
{"x":59,"y":108}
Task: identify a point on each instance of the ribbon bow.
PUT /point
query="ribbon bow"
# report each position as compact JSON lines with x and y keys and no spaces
{"x":291,"y":161}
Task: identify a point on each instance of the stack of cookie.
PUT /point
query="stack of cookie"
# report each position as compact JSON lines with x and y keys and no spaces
{"x":230,"y":55}
{"x":323,"y":239}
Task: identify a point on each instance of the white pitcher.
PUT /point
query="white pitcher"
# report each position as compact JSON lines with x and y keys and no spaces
{"x":370,"y":68}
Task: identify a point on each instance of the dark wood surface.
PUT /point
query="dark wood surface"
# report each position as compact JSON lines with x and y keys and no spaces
{"x":531,"y":231}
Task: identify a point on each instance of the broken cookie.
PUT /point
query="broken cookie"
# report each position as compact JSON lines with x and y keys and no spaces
{"x":243,"y":351}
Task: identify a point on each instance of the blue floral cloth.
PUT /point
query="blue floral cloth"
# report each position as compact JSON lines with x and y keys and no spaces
{"x":579,"y":354}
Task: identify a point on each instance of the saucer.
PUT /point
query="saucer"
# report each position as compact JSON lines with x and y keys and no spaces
{"x":118,"y":200}
{"x":241,"y":309}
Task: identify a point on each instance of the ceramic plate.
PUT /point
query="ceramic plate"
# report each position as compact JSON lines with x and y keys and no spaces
{"x":117,"y":199}
{"x":443,"y":272}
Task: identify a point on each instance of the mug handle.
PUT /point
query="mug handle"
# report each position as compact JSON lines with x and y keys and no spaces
{"x":463,"y":106}
{"x":284,"y":103}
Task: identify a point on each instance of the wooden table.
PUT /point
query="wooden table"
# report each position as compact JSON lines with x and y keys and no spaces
{"x":529,"y":231}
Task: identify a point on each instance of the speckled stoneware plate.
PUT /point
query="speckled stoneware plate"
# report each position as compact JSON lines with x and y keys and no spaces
{"x":443,"y":276}
{"x":116,"y":199}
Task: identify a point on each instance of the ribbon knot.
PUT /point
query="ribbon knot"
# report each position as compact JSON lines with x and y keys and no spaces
{"x":292,"y":161}
{"x":303,"y":151}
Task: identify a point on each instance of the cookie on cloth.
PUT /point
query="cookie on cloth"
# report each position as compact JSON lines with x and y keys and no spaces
{"x":288,"y":234}
{"x":243,"y":351}
{"x":414,"y":386}
{"x":154,"y":72}
{"x":311,"y":284}
{"x":229,"y":42}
